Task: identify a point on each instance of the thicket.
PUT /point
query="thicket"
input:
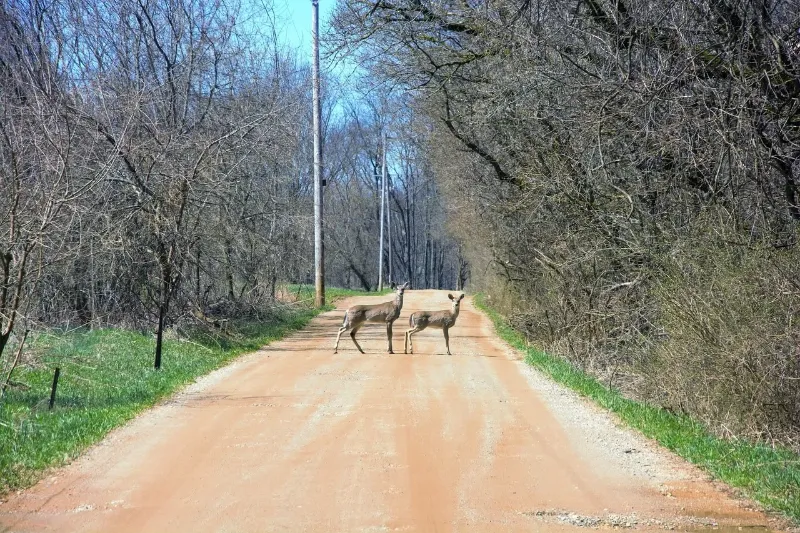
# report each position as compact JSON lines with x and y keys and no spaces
{"x":623,"y":177}
{"x":155,"y":171}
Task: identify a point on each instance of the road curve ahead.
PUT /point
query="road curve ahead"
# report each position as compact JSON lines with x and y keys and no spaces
{"x":293,"y":438}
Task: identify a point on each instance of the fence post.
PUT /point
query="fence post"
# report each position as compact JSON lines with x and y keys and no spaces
{"x":53,"y":389}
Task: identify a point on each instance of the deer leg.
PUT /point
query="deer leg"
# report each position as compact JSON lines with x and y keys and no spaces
{"x":415,"y":329}
{"x":389,"y":335}
{"x":447,"y":340}
{"x":341,"y":330}
{"x":353,"y":336}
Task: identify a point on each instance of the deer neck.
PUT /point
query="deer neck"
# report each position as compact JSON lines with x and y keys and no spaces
{"x":454,"y":311}
{"x":398,"y":301}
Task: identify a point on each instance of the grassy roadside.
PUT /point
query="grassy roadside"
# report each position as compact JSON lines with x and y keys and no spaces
{"x":303,"y":292}
{"x":106,"y":379}
{"x":768,"y":475}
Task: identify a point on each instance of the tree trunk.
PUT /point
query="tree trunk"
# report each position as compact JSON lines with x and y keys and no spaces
{"x":361,"y":277}
{"x":197,"y":288}
{"x":162,"y":312}
{"x":167,"y":286}
{"x":3,"y":341}
{"x":229,"y":270}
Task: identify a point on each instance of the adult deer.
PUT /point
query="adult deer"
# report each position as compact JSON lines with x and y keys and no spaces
{"x":386,"y":312}
{"x":443,"y":320}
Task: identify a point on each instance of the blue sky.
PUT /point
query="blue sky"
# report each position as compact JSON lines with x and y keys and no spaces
{"x":294,"y":17}
{"x":297,"y":17}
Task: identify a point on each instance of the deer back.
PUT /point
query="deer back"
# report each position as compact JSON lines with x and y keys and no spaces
{"x":385,"y":312}
{"x":435,"y":319}
{"x":388,"y":311}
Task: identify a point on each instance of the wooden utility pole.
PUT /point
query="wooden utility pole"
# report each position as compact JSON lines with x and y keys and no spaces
{"x":319,"y":246}
{"x":383,"y":198}
{"x":388,"y":213}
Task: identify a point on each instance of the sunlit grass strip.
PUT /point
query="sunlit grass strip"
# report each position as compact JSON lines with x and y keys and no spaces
{"x":769,"y":475}
{"x":307,"y":292}
{"x":106,"y":379}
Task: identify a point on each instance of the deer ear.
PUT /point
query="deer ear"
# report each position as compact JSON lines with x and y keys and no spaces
{"x":450,"y":296}
{"x":461,"y":297}
{"x":407,"y":284}
{"x":393,"y":285}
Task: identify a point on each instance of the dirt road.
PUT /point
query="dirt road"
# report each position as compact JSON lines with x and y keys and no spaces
{"x":295,"y":438}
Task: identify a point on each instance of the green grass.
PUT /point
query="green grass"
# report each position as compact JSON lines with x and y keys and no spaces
{"x":106,"y":379}
{"x":306,"y":292}
{"x":769,"y":475}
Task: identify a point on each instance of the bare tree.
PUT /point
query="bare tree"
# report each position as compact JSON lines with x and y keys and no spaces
{"x":601,"y":156}
{"x":40,"y":187}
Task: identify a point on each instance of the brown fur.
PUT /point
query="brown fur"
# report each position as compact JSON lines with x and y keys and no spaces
{"x":387,"y":313}
{"x":443,"y":320}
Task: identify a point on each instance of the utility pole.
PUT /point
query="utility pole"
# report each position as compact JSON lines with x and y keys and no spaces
{"x":319,"y":246}
{"x":383,"y":198}
{"x":388,"y":212}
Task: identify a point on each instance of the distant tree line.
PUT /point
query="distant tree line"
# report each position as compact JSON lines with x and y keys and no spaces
{"x":422,"y":251}
{"x":623,"y":177}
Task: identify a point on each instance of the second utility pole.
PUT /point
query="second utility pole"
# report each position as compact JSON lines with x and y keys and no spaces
{"x":383,"y":197}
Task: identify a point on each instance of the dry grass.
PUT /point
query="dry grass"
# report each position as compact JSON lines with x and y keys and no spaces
{"x":730,"y":350}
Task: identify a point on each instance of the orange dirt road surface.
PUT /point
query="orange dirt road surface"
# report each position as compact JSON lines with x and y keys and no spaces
{"x":293,"y":438}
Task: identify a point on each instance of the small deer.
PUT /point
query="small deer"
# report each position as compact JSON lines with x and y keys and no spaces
{"x":443,"y":320}
{"x":386,"y":312}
